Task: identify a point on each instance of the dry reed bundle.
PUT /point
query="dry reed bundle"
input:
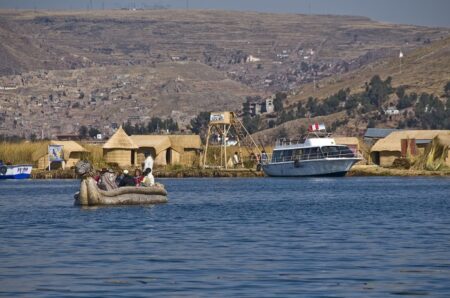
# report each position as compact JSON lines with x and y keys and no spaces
{"x":95,"y":156}
{"x":20,"y":153}
{"x":435,"y":155}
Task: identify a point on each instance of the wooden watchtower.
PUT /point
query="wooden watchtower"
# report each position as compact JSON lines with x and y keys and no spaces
{"x":227,"y":126}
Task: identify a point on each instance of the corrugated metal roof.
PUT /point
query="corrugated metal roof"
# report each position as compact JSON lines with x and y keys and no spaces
{"x":423,"y":141}
{"x":379,"y":132}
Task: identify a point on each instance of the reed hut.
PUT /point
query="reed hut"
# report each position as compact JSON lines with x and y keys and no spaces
{"x":120,"y":149}
{"x":168,"y":149}
{"x":400,"y":144}
{"x":185,"y":149}
{"x":72,"y":151}
{"x":158,"y":146}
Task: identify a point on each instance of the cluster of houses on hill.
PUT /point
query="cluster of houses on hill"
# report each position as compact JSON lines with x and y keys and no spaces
{"x":382,"y":147}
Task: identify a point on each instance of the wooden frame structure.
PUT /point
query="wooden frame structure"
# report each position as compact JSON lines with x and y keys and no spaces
{"x":223,"y":124}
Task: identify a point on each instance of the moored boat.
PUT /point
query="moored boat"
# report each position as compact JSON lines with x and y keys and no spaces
{"x":15,"y":171}
{"x":316,"y":155}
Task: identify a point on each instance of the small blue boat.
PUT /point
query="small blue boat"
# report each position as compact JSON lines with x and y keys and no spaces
{"x":15,"y":171}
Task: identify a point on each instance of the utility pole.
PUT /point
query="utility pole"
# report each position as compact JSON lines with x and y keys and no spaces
{"x":313,"y":70}
{"x":400,"y":56}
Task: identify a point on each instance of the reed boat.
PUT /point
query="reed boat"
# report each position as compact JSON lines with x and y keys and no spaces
{"x":91,"y":195}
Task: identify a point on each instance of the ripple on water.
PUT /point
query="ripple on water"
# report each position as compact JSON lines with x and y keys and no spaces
{"x":348,"y":237}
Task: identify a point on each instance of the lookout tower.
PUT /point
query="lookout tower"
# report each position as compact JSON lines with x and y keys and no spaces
{"x":226,"y":129}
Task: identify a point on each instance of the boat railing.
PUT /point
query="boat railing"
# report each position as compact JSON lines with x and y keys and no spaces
{"x":288,"y":142}
{"x":311,"y":156}
{"x":303,"y":138}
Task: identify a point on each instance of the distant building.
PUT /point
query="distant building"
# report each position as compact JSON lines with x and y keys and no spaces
{"x":269,"y":105}
{"x":68,"y":137}
{"x":403,"y":143}
{"x":392,"y":111}
{"x":251,"y":58}
{"x":168,"y":149}
{"x":374,"y":134}
{"x":72,"y":153}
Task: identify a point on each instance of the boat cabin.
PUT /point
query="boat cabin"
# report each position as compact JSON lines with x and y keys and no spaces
{"x":311,"y":149}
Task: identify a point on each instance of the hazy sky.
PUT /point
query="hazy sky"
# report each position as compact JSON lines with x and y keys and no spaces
{"x":418,"y":12}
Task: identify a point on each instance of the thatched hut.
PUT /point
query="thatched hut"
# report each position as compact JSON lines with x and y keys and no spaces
{"x":120,"y":149}
{"x":386,"y":150}
{"x":158,"y":146}
{"x":73,"y":152}
{"x":168,"y":149}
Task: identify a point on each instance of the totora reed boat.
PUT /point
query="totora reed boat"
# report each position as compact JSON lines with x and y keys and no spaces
{"x":91,"y":195}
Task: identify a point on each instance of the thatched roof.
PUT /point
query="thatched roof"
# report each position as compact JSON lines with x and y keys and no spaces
{"x":68,"y":148}
{"x":346,"y":140}
{"x":393,"y":141}
{"x":120,"y":140}
{"x":180,"y":142}
{"x":162,"y":142}
{"x":444,"y":139}
{"x":159,"y":142}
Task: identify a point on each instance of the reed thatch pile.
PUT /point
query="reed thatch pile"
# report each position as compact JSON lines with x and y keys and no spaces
{"x":436,"y":156}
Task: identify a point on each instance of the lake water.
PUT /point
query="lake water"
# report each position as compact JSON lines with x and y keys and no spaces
{"x":327,"y":237}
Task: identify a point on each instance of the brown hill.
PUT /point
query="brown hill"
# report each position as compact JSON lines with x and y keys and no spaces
{"x":426,"y":69}
{"x":422,"y":70}
{"x":104,"y":67}
{"x":222,"y":39}
{"x":60,"y":101}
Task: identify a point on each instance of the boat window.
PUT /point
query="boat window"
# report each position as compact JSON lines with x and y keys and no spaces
{"x":287,"y":155}
{"x":297,"y":154}
{"x":337,"y":151}
{"x":315,"y":153}
{"x":277,"y":156}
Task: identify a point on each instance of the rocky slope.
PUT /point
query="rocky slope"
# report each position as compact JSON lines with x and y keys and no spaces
{"x":98,"y":68}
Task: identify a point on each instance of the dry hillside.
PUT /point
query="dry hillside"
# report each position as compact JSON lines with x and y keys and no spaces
{"x":100,"y":68}
{"x":426,"y":69}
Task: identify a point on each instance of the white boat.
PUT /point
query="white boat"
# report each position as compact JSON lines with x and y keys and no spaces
{"x":15,"y":171}
{"x":314,"y":156}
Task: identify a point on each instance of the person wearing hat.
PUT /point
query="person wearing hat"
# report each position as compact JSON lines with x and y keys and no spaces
{"x":107,"y":180}
{"x":127,"y":180}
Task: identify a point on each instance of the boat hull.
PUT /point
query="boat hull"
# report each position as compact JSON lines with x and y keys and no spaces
{"x":15,"y":171}
{"x":91,"y":195}
{"x":335,"y":167}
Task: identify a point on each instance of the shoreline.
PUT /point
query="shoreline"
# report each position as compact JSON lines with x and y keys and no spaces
{"x":355,"y":171}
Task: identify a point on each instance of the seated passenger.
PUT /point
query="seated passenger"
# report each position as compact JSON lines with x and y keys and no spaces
{"x":107,"y":180}
{"x":138,"y":177}
{"x":127,"y":180}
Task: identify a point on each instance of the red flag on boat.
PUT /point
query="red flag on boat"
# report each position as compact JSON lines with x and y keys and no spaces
{"x":316,"y":126}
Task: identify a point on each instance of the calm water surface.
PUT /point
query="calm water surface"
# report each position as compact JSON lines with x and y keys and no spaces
{"x":344,"y":237}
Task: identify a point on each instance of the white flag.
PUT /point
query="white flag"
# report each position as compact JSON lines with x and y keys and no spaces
{"x":400,"y":55}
